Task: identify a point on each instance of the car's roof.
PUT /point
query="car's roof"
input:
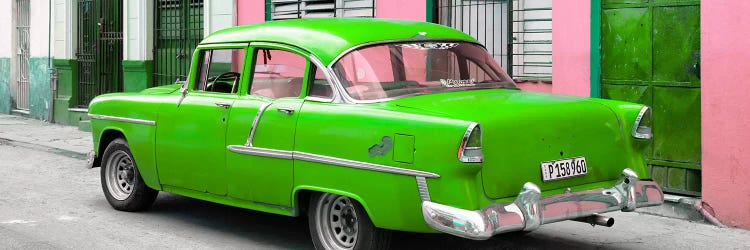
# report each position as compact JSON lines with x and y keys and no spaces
{"x":326,"y":38}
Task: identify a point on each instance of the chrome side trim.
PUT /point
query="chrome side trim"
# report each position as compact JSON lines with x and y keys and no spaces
{"x":122,"y":119}
{"x":296,"y":155}
{"x":424,"y":192}
{"x":253,"y":127}
{"x":266,"y":152}
{"x":361,"y":165}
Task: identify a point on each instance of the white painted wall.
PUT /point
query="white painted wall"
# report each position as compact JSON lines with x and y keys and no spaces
{"x":39,"y":28}
{"x":6,"y":29}
{"x":138,"y":36}
{"x":218,"y":14}
{"x":64,"y":29}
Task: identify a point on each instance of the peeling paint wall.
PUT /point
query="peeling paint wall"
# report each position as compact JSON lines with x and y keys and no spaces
{"x":5,"y":85}
{"x":40,"y":95}
{"x":725,"y":118}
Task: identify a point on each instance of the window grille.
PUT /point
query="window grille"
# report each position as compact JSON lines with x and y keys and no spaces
{"x":289,"y":9}
{"x":485,"y":20}
{"x":21,"y":86}
{"x":99,"y":51}
{"x":517,"y":33}
{"x":177,"y":32}
{"x":532,"y":40}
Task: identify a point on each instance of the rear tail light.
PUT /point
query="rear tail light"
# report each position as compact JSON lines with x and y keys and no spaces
{"x":642,"y":127}
{"x":470,"y":150}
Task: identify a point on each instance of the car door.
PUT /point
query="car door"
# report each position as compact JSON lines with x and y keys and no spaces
{"x":263,"y":125}
{"x":191,"y":130}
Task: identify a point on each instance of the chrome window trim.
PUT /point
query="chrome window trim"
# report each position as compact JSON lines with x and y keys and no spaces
{"x":256,"y":120}
{"x":296,"y":155}
{"x":122,"y":119}
{"x":345,"y":95}
{"x":342,"y":54}
{"x":318,"y":99}
{"x":330,"y":77}
{"x":637,"y":123}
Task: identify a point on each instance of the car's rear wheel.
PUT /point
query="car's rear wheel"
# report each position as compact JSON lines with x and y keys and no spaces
{"x":121,"y":182}
{"x":339,"y":222}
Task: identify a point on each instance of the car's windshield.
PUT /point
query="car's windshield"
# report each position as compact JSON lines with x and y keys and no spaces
{"x":412,"y":68}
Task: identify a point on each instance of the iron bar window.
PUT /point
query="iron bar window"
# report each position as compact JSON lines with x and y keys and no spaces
{"x":99,"y":50}
{"x":178,"y":29}
{"x":21,"y":86}
{"x":289,"y":9}
{"x":532,"y":40}
{"x":517,"y":33}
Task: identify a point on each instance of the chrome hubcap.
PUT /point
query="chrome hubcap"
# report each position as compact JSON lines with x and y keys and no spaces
{"x":337,"y":222}
{"x":120,"y":175}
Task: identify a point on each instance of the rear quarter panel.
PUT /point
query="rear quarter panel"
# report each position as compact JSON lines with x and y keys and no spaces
{"x":349,"y":131}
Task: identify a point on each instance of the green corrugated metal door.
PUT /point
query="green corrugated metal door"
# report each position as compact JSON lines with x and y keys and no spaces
{"x":651,"y":55}
{"x":178,"y":28}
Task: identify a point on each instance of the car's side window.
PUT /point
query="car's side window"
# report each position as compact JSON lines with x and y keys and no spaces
{"x":320,"y":87}
{"x":219,"y":70}
{"x":277,"y":73}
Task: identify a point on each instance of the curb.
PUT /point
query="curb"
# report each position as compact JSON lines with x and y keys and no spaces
{"x":58,"y":151}
{"x":684,"y":208}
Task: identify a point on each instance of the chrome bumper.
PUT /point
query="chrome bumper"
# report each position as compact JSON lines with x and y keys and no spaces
{"x":529,"y":210}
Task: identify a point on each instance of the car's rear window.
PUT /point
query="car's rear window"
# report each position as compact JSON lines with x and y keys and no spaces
{"x":395,"y":70}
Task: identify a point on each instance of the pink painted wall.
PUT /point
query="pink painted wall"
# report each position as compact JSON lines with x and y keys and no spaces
{"x":415,"y":10}
{"x":251,"y":11}
{"x":725,"y":110}
{"x":571,"y":31}
{"x":535,"y":87}
{"x":571,"y":20}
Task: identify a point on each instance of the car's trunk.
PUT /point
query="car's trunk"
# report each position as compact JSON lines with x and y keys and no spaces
{"x":521,"y":130}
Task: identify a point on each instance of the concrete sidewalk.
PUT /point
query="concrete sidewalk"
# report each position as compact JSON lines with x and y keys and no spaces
{"x":70,"y":141}
{"x":56,"y":138}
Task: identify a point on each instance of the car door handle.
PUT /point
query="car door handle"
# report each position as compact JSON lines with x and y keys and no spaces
{"x":223,"y":105}
{"x":286,"y":110}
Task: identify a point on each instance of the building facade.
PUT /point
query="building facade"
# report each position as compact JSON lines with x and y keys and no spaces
{"x":26,"y":58}
{"x":677,"y":56}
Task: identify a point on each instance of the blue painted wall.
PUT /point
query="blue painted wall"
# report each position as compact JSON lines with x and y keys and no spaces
{"x":40,"y":95}
{"x":5,"y":85}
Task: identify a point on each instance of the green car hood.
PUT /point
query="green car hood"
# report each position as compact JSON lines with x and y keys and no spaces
{"x":520,"y":130}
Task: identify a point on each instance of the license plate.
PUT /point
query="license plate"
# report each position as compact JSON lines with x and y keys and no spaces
{"x":565,"y":168}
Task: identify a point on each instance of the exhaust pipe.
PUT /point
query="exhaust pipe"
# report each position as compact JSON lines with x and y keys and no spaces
{"x":597,"y":220}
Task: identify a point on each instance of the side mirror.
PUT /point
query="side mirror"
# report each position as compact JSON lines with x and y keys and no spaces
{"x":183,"y":90}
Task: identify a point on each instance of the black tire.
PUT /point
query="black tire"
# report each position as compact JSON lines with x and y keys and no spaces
{"x":121,"y":181}
{"x":323,"y":208}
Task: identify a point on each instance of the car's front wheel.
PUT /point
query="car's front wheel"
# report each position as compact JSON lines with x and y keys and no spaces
{"x":339,"y":222}
{"x":121,"y":182}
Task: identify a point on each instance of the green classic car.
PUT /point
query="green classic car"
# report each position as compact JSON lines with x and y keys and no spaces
{"x":369,"y":125}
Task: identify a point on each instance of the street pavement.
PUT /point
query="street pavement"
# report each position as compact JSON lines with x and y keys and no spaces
{"x":49,"y":200}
